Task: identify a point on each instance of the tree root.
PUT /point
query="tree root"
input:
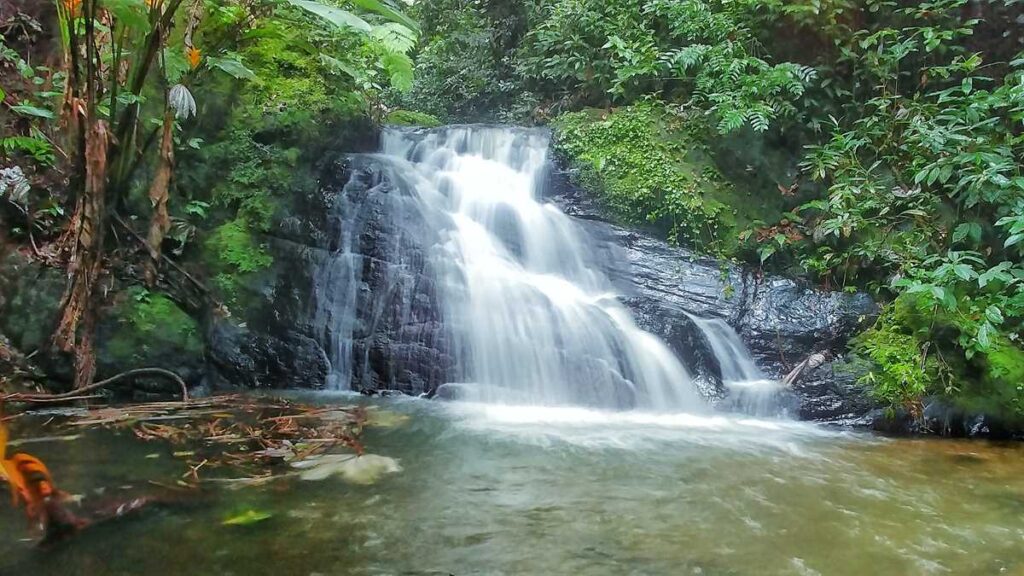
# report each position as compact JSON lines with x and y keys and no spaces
{"x":83,"y":393}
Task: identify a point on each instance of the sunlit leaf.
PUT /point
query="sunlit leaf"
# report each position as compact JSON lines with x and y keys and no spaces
{"x":387,"y":10}
{"x":395,"y":37}
{"x":337,"y":16}
{"x":129,"y":13}
{"x":400,"y":69}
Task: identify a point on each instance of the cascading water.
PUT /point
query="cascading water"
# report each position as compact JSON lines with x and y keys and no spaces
{"x":533,"y":321}
{"x":749,"y":389}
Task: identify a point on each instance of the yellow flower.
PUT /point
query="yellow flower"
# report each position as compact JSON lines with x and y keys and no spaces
{"x":194,"y":57}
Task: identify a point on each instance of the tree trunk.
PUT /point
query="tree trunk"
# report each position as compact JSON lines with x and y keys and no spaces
{"x":77,"y":327}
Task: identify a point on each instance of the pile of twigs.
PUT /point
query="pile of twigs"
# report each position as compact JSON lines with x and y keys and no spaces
{"x":249,"y":434}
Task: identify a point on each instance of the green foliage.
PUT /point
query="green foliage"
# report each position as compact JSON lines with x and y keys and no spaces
{"x":648,"y":171}
{"x":696,"y":51}
{"x":233,"y":244}
{"x":901,"y":375}
{"x":464,"y":68}
{"x":150,"y":323}
{"x":36,"y":147}
{"x":410,"y":118}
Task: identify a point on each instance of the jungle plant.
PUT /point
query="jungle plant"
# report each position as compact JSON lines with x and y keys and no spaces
{"x":697,"y":52}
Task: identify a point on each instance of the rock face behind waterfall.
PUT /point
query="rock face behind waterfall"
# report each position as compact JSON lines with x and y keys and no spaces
{"x":352,"y":301}
{"x":356,"y":249}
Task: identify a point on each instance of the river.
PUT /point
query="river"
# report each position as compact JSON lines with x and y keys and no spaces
{"x":488,"y":489}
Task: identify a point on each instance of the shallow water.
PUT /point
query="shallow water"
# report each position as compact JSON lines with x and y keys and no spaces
{"x":506,"y":490}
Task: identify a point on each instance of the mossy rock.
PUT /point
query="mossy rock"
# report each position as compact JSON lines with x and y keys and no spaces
{"x":30,"y":296}
{"x":649,"y":167}
{"x":149,"y":329}
{"x":412,"y":118}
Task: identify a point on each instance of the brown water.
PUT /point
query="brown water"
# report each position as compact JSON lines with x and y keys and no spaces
{"x":533,"y":491}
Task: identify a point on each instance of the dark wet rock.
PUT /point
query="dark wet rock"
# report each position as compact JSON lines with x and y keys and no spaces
{"x":351,"y":287}
{"x":260,"y":360}
{"x":939,"y":417}
{"x":832,"y":393}
{"x":30,"y":295}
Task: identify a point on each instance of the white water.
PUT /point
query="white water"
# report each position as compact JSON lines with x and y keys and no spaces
{"x":750,"y":390}
{"x":534,"y":322}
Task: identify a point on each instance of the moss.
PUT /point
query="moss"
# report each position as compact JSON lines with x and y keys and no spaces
{"x":411,"y":118}
{"x":233,"y":244}
{"x":150,"y":326}
{"x":647,"y":168}
{"x":897,"y":377}
{"x":999,"y":391}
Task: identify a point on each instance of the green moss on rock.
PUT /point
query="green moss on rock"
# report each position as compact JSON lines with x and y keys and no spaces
{"x":150,"y":328}
{"x":412,"y":118}
{"x":649,"y":169}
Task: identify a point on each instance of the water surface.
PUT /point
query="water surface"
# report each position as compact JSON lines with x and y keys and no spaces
{"x":511,"y":490}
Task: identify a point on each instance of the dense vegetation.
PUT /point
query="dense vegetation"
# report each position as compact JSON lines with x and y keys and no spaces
{"x":882,"y":145}
{"x":197,"y":119}
{"x":860,"y":144}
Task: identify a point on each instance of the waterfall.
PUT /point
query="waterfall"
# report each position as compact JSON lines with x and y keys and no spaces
{"x":534,"y":321}
{"x":749,"y":389}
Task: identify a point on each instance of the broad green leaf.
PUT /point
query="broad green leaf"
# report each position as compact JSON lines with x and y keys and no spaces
{"x":248,"y":517}
{"x":985,"y":335}
{"x":129,"y":13}
{"x":336,"y":66}
{"x":994,"y":315}
{"x":26,"y":110}
{"x":388,"y":11}
{"x":400,"y":69}
{"x":395,"y":37}
{"x":966,"y":230}
{"x":233,"y":66}
{"x":963,"y":271}
{"x":337,"y":16}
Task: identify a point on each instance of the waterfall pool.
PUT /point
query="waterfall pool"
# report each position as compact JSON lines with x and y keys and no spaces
{"x":492,"y":489}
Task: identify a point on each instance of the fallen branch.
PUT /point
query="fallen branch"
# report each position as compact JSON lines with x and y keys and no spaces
{"x":82,"y":393}
{"x":809,"y":363}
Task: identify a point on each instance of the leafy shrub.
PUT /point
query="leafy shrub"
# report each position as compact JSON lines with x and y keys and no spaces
{"x":152,"y":323}
{"x":695,"y":51}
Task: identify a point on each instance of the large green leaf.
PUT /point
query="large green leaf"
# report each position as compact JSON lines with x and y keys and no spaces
{"x":400,"y":69}
{"x":130,"y":13}
{"x":395,"y":37}
{"x":388,"y":11}
{"x":337,"y":16}
{"x":26,"y":110}
{"x":232,"y":65}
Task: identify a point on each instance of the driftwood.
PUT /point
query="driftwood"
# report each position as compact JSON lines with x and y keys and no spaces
{"x":83,"y":393}
{"x":810,"y":363}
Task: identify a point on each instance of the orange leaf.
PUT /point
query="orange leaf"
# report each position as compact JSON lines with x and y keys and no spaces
{"x":27,"y":477}
{"x":194,"y":57}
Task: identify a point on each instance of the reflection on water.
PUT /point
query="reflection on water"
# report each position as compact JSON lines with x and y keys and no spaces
{"x":507,"y":490}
